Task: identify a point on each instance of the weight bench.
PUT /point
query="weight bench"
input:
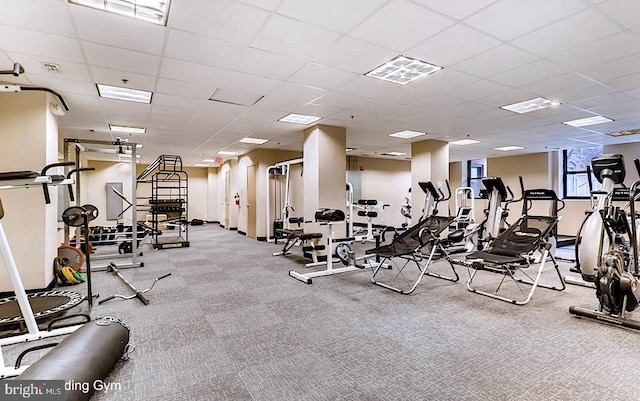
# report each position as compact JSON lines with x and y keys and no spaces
{"x":411,"y":248}
{"x":513,"y":251}
{"x":309,"y":241}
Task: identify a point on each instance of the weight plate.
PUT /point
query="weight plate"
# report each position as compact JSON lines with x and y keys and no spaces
{"x":92,"y":212}
{"x":73,"y":216}
{"x":71,"y":256}
{"x":342,"y":252}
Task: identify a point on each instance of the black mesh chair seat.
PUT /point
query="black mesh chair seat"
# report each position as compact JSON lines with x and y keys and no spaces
{"x":408,"y":247}
{"x":511,"y":251}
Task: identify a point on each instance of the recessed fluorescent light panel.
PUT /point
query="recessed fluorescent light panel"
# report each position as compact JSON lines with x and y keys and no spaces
{"x":530,"y":105}
{"x":402,"y":70}
{"x":209,"y":160}
{"x":583,"y":122}
{"x":256,"y":141}
{"x":350,"y":149}
{"x":508,"y":148}
{"x":462,"y":142}
{"x":407,"y":134}
{"x":393,"y":154}
{"x":299,"y":119}
{"x":227,"y":153}
{"x":154,"y":11}
{"x":201,"y":165}
{"x":120,"y":93}
{"x":124,"y":128}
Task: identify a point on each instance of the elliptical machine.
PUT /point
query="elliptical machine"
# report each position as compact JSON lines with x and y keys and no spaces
{"x":609,"y":171}
{"x":616,"y":277}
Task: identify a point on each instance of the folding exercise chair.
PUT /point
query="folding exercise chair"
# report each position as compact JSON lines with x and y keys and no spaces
{"x":513,"y":250}
{"x":412,"y":247}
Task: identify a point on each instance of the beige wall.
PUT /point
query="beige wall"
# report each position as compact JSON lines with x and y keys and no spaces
{"x":387,"y":181}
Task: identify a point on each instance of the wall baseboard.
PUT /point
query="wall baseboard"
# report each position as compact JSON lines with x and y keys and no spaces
{"x":242,"y":233}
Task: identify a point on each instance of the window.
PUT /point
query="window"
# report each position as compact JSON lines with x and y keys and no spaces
{"x":574,"y":165}
{"x":476,"y":170}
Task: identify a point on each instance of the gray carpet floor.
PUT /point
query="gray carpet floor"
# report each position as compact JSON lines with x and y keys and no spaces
{"x":230,"y":324}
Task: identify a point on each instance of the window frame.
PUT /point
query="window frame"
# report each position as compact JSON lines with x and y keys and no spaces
{"x":469,"y":178}
{"x":566,"y":173}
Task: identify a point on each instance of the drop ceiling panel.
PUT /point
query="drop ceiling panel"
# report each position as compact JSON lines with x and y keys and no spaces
{"x":178,"y":102}
{"x":561,"y":35}
{"x":624,"y":11}
{"x":227,"y":20}
{"x":191,"y":72}
{"x":115,"y":77}
{"x":337,"y":15}
{"x":454,"y":44}
{"x":40,"y":44}
{"x":386,"y":29}
{"x":186,"y":89}
{"x":62,"y":85}
{"x":289,"y":37}
{"x":478,"y":89}
{"x":612,"y":69}
{"x":443,"y":80}
{"x":121,"y":59}
{"x":264,"y":4}
{"x":50,"y":18}
{"x":508,"y":19}
{"x":250,"y":82}
{"x":187,"y":46}
{"x":341,"y":55}
{"x":494,"y":61}
{"x":538,"y":70}
{"x":300,"y":93}
{"x":267,"y":64}
{"x":125,"y":32}
{"x":321,"y":76}
{"x":628,"y":82}
{"x":610,"y":48}
{"x":457,"y":9}
{"x":35,"y":66}
{"x":557,"y":84}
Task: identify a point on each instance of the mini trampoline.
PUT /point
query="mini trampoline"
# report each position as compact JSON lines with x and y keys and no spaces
{"x":44,"y":304}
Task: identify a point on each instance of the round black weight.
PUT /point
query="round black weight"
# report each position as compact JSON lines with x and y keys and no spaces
{"x":92,"y":212}
{"x":73,"y":216}
{"x":342,"y":252}
{"x":125,"y":247}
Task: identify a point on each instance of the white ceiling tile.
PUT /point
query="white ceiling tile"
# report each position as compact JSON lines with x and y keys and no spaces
{"x":200,"y":49}
{"x":121,"y":59}
{"x":114,"y":77}
{"x":557,"y":84}
{"x":317,"y":110}
{"x":228,"y":20}
{"x":568,"y":33}
{"x":39,"y":15}
{"x":178,"y":102}
{"x":289,"y":37}
{"x":401,"y":25}
{"x":612,"y":69}
{"x":34,"y":65}
{"x":301,"y":93}
{"x":452,"y":45}
{"x":98,"y":26}
{"x":439,"y":102}
{"x":62,"y":85}
{"x":610,"y":48}
{"x":479,"y":89}
{"x":281,"y":105}
{"x":625,"y":83}
{"x":267,"y":64}
{"x":535,"y":71}
{"x":354,"y":55}
{"x":403,"y":95}
{"x":191,"y":72}
{"x":624,"y":11}
{"x":495,"y":61}
{"x":506,"y":97}
{"x":337,"y":15}
{"x":264,"y":4}
{"x":249,"y":82}
{"x":185,"y":89}
{"x":509,"y":19}
{"x":40,"y":44}
{"x":457,"y":9}
{"x":443,"y":80}
{"x":321,"y":76}
{"x":367,"y":87}
{"x":582,"y":93}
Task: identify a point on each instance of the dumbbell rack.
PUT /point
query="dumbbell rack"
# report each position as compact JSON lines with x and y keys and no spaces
{"x":168,"y":204}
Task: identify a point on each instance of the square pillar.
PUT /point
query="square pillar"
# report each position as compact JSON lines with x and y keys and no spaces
{"x":325,"y":168}
{"x":29,"y":134}
{"x":429,"y":162}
